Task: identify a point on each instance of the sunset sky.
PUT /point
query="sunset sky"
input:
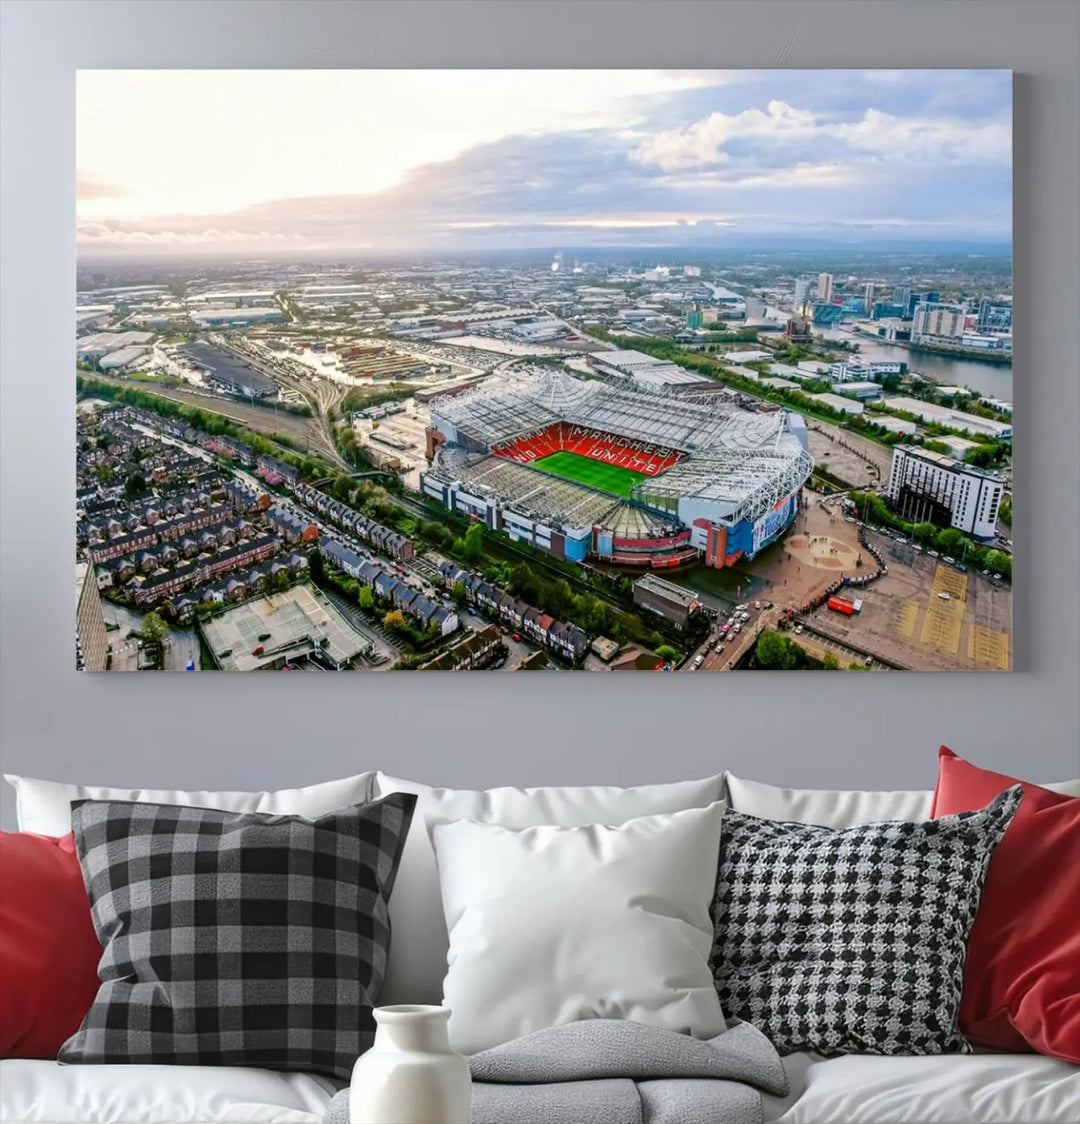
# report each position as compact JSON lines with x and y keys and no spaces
{"x":253,"y":161}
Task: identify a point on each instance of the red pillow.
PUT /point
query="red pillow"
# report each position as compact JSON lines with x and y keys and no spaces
{"x":48,"y":950}
{"x":1022,"y":975}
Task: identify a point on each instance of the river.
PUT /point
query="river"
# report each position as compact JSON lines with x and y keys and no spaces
{"x":992,"y":380}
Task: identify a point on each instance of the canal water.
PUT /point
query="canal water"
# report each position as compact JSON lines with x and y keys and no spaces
{"x":992,"y":380}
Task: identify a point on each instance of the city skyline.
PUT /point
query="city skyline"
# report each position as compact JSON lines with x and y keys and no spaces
{"x":306,"y":161}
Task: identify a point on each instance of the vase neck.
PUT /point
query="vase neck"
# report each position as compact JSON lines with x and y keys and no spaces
{"x":423,"y":1032}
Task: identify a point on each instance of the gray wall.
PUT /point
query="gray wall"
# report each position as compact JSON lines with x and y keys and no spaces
{"x":216,"y":731}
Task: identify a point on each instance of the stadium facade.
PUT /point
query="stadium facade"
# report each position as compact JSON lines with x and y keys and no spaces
{"x":711,"y":479}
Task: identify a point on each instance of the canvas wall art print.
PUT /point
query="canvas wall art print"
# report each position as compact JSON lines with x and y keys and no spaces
{"x":674,"y":371}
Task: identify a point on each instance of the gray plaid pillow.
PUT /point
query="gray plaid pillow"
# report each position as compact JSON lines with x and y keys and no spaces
{"x":237,"y":938}
{"x":852,"y":941}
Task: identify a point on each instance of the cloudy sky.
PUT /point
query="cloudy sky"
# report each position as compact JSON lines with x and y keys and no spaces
{"x":257,"y":161}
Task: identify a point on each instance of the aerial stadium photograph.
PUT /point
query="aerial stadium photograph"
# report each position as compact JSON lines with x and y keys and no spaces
{"x":674,"y":371}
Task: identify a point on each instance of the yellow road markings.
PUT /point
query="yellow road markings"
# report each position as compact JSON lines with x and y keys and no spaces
{"x":988,"y":646}
{"x":941,"y":628}
{"x":950,"y":581}
{"x":905,"y":619}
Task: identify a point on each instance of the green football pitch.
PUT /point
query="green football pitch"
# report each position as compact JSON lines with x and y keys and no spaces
{"x":584,"y":470}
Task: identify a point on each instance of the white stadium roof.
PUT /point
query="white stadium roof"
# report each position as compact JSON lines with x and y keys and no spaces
{"x":744,"y":462}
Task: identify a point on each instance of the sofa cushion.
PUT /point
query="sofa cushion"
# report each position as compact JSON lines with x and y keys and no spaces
{"x":942,"y":1089}
{"x":852,"y":940}
{"x":44,"y":807}
{"x":838,"y":807}
{"x":235,"y":939}
{"x":551,"y":925}
{"x":1022,"y":978}
{"x":418,"y":951}
{"x":43,"y":1092}
{"x":49,"y":952}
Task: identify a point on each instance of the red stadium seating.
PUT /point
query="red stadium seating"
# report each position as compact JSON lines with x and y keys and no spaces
{"x":640,"y":456}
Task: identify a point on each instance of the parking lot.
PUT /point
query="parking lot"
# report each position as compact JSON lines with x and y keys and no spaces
{"x":927,"y":615}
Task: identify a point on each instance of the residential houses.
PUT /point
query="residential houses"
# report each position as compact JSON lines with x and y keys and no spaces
{"x":383,"y":539}
{"x":565,"y":640}
{"x":389,"y":588}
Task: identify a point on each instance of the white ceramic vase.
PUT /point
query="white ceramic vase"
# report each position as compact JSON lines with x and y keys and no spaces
{"x":410,"y":1075}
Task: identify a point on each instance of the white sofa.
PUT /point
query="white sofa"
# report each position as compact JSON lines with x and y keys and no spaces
{"x":979,"y":1088}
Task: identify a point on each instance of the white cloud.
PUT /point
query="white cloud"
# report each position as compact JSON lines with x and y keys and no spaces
{"x":803,"y":174}
{"x":918,"y":138}
{"x":703,"y":141}
{"x":882,"y":134}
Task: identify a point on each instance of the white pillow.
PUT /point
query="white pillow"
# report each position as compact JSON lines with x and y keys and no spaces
{"x":839,"y":808}
{"x":417,"y":963}
{"x":551,"y":925}
{"x":825,"y":807}
{"x":44,"y":807}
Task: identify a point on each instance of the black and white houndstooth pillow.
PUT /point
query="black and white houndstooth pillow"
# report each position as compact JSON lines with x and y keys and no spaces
{"x":237,"y":938}
{"x":851,"y":941}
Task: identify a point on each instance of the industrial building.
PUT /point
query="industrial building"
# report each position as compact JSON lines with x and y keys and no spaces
{"x":713,"y":481}
{"x":95,"y":348}
{"x":836,"y":402}
{"x":929,"y":487}
{"x":858,"y":389}
{"x":125,"y":357}
{"x":644,"y":370}
{"x":209,"y":317}
{"x":896,"y":425}
{"x":665,"y":599}
{"x":987,"y":428}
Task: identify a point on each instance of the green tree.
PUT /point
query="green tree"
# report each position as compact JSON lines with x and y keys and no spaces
{"x":950,"y":541}
{"x":830,"y":662}
{"x":365,"y":598}
{"x":667,"y":652}
{"x":151,"y":636}
{"x":1006,"y":509}
{"x":998,"y":562}
{"x":775,"y":652}
{"x":925,"y":533}
{"x":473,"y":544}
{"x":458,"y":593}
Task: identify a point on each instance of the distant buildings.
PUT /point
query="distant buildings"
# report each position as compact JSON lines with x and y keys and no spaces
{"x":213,"y":317}
{"x":825,"y":313}
{"x":868,"y":298}
{"x":802,"y":288}
{"x":825,"y":287}
{"x":934,"y":322}
{"x":994,"y":317}
{"x":119,"y":348}
{"x":929,"y":487}
{"x":798,"y":330}
{"x":883,"y":310}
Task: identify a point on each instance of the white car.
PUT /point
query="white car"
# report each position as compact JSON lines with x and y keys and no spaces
{"x":944,"y":597}
{"x":738,"y":627}
{"x":698,"y":661}
{"x":798,"y":630}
